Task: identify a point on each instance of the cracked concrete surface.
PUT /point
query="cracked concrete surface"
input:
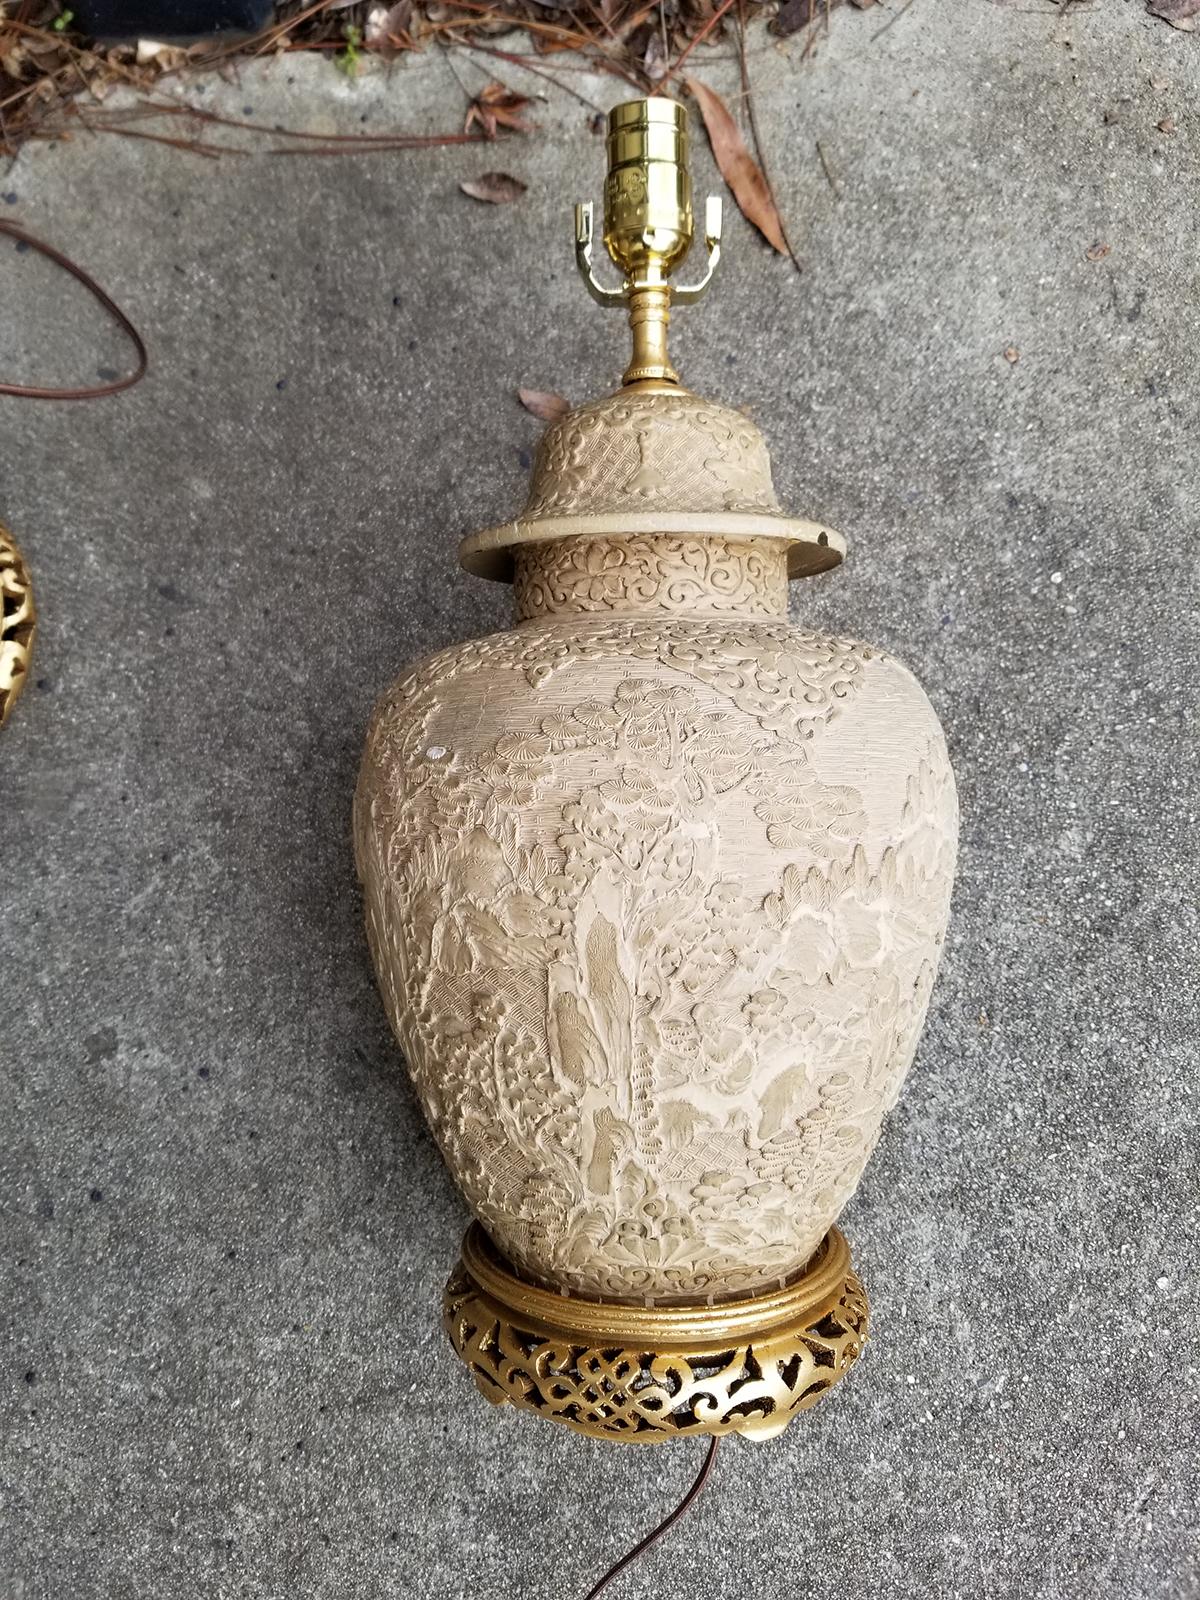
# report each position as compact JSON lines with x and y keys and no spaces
{"x":225,"y":1227}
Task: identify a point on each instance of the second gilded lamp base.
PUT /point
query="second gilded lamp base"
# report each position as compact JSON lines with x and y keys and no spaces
{"x":643,"y":1374}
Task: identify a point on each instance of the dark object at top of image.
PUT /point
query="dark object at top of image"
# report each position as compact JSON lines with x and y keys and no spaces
{"x":175,"y":20}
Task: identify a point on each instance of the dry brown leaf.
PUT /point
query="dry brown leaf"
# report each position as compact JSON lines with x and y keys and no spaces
{"x":654,"y":61}
{"x":738,"y":167}
{"x":50,"y":46}
{"x":497,"y":188}
{"x":385,"y":24}
{"x":792,"y":16}
{"x":495,"y":107}
{"x":544,"y":403}
{"x":168,"y":56}
{"x":1167,"y":125}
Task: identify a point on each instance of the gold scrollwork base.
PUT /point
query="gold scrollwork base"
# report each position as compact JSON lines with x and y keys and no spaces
{"x":17,"y":619}
{"x":645,"y":1374}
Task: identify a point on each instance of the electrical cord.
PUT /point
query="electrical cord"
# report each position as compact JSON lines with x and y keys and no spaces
{"x":28,"y":391}
{"x":668,"y":1522}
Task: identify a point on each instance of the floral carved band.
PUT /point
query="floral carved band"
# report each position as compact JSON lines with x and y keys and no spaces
{"x":658,"y":572}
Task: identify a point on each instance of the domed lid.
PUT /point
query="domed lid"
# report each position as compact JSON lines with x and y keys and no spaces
{"x":652,"y":458}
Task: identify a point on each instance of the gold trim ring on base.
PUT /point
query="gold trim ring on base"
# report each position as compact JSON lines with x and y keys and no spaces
{"x":645,"y":1374}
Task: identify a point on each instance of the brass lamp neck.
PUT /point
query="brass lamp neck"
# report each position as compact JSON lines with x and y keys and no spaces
{"x":648,"y":228}
{"x":649,"y":317}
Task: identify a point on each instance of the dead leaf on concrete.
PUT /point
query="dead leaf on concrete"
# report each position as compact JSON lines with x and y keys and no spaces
{"x":167,"y":56}
{"x":738,"y":167}
{"x":497,"y":188}
{"x":496,"y":107}
{"x":1097,"y":251}
{"x":1167,"y":125}
{"x":47,"y":62}
{"x":1180,"y":14}
{"x":387,"y":25}
{"x":654,"y":62}
{"x":792,"y":16}
{"x":544,"y":403}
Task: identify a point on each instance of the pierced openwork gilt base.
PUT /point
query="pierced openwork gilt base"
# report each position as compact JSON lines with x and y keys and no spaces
{"x":17,"y":618}
{"x":647,"y":1374}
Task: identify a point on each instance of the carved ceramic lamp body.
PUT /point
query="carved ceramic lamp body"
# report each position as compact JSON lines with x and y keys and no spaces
{"x":656,"y":885}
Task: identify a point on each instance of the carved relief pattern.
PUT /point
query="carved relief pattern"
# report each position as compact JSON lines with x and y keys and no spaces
{"x":651,"y":573}
{"x":789,"y":682}
{"x":630,"y":450}
{"x":651,"y":1078}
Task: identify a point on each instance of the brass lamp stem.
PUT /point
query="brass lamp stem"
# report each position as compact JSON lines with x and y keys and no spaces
{"x":649,"y":318}
{"x":648,"y":228}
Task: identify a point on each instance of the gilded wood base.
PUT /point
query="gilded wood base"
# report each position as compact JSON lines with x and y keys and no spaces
{"x":17,"y":619}
{"x":647,"y":1374}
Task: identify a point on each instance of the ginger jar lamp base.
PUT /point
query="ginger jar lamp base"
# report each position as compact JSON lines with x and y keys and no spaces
{"x":646,"y":1374}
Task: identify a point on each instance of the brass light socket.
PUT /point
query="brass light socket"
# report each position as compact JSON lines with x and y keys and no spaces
{"x":648,"y":222}
{"x":648,"y":228}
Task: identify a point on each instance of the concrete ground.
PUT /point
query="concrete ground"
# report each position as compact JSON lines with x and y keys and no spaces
{"x":225,"y":1227}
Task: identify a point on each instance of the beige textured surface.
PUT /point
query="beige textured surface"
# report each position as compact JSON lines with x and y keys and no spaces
{"x":656,"y":905}
{"x":649,"y":573}
{"x":647,"y":448}
{"x":652,"y":459}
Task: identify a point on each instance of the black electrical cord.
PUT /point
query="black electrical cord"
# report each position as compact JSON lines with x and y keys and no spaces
{"x":668,"y":1522}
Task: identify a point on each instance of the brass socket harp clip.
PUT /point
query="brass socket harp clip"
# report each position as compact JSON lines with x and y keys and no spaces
{"x":648,"y":228}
